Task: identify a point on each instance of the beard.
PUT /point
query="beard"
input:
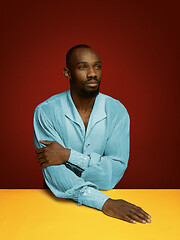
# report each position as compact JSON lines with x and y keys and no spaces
{"x":85,"y":91}
{"x":90,"y":93}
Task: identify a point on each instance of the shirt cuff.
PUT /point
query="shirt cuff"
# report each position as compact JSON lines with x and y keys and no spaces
{"x":79,"y":159}
{"x":83,"y":161}
{"x":92,"y":197}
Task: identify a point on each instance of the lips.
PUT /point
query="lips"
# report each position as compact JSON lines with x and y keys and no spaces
{"x":92,"y":83}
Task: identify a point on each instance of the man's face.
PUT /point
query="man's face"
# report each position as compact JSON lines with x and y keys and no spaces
{"x":85,"y":72}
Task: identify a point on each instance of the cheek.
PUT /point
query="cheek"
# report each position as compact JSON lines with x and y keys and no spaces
{"x":99,"y":74}
{"x":78,"y":79}
{"x":80,"y":76}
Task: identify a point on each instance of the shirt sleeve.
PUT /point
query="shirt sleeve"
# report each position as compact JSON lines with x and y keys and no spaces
{"x":62,"y":181}
{"x":107,"y":170}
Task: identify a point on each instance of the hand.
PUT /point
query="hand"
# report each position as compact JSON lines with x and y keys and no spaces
{"x":125,"y":211}
{"x":52,"y":154}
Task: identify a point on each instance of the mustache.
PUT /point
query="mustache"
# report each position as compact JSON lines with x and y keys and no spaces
{"x":92,"y":78}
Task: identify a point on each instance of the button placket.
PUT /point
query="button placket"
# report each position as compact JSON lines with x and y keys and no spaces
{"x":86,"y":146}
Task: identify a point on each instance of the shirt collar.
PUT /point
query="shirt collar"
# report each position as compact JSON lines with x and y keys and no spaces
{"x":98,"y":112}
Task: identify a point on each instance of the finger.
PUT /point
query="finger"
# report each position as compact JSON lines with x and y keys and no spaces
{"x":42,"y":161}
{"x":45,"y":142}
{"x":40,"y":155}
{"x":44,"y":165}
{"x":40,"y":150}
{"x":129,"y":219}
{"x":143,"y":212}
{"x":140,"y":209}
{"x":136,"y":218}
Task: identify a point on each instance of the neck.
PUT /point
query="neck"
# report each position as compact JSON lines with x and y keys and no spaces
{"x":82,"y":103}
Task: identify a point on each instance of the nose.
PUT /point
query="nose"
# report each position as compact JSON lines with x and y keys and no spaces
{"x":91,"y":73}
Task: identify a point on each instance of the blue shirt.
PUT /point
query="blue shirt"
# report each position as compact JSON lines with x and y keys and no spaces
{"x":99,"y":154}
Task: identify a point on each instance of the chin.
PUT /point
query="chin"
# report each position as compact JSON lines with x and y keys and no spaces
{"x":90,"y":93}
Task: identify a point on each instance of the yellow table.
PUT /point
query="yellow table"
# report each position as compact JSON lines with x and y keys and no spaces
{"x":37,"y":214}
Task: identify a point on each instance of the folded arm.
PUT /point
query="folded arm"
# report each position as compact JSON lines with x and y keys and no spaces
{"x":62,"y":181}
{"x":105,"y":171}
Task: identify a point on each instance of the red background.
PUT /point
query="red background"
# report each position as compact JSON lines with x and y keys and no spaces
{"x":138,"y":42}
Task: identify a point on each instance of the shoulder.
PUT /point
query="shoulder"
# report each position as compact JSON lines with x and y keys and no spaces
{"x":114,"y":107}
{"x":52,"y":103}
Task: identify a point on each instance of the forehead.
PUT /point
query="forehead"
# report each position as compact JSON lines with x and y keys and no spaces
{"x":84,"y":55}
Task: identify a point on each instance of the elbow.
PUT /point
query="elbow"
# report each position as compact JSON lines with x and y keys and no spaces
{"x":106,"y":182}
{"x":105,"y":178}
{"x":108,"y":185}
{"x":114,"y":178}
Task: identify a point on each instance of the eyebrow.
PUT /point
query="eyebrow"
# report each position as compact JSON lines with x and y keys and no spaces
{"x":87,"y":62}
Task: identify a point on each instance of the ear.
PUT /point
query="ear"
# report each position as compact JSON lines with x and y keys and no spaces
{"x":66,"y":73}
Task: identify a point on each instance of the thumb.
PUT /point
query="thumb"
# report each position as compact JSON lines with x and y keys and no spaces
{"x":45,"y":142}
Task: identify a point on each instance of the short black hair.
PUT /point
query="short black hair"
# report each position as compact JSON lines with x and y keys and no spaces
{"x":71,"y":50}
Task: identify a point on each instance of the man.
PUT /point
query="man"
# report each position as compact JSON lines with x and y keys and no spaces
{"x":82,"y":139}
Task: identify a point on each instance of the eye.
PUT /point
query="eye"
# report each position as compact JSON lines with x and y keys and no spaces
{"x":98,"y":66}
{"x":82,"y":67}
